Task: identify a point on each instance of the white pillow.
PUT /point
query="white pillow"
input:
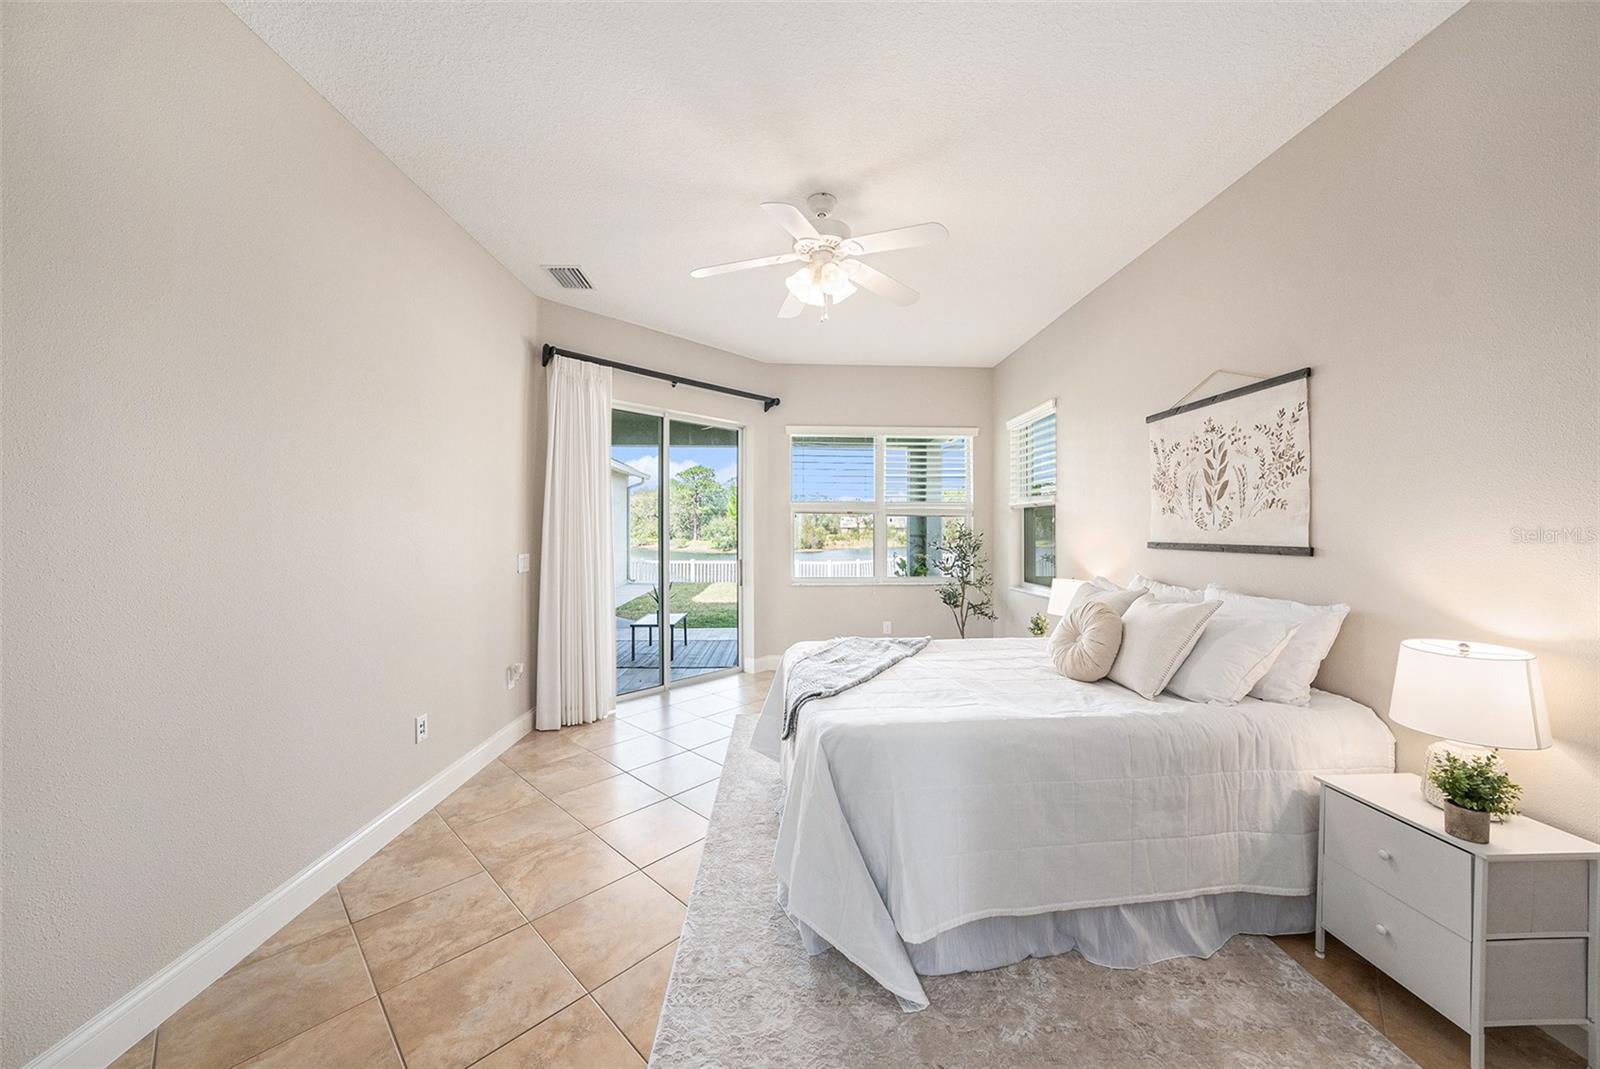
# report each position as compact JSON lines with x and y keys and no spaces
{"x":1084,"y":643}
{"x":1289,"y":679}
{"x":1233,"y":653}
{"x":1102,"y":589}
{"x":1156,"y":637}
{"x":1166,"y":591}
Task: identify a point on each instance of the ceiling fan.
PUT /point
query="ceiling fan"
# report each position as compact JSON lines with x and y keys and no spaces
{"x":831,"y":272}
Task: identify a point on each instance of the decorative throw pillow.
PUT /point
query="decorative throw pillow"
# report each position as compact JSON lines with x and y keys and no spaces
{"x":1166,"y":591}
{"x":1156,"y":637}
{"x":1289,"y":679}
{"x":1233,"y":653}
{"x":1085,"y":642}
{"x":1102,"y":589}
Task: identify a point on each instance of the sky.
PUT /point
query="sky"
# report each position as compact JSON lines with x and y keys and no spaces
{"x":723,"y":460}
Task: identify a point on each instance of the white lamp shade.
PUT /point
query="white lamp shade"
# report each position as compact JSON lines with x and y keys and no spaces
{"x":1470,"y":692}
{"x":1061,"y":591}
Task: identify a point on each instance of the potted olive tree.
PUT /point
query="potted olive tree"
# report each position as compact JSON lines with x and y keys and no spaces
{"x":1475,"y":789}
{"x":969,"y":589}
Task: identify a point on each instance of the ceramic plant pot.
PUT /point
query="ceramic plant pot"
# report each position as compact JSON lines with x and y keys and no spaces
{"x":1468,"y":825}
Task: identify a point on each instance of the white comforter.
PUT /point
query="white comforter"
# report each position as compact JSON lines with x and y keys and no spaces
{"x":973,"y":781}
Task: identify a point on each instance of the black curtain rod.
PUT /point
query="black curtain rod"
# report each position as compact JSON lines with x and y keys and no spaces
{"x":551,"y":352}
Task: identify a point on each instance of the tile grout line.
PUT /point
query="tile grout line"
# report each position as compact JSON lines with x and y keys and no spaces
{"x":350,"y":923}
{"x":529,"y":923}
{"x":325,"y":1020}
{"x":643,"y":1055}
{"x":382,"y":1006}
{"x":588,"y":992}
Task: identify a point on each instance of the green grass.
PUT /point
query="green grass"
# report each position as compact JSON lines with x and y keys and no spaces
{"x":708,"y":604}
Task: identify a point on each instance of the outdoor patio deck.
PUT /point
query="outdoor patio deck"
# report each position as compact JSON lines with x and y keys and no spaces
{"x":709,"y":649}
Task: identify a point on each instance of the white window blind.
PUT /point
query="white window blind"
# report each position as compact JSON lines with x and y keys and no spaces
{"x":926,"y":469}
{"x":1033,"y":456}
{"x":875,"y":504}
{"x":827,"y":468}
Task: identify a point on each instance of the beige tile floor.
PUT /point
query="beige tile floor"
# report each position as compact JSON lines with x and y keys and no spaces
{"x":532,"y":917}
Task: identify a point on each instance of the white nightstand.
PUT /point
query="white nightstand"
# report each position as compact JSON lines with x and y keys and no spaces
{"x":1503,"y":934}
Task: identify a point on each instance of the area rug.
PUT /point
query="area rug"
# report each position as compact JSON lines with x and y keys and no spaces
{"x":744,"y":993}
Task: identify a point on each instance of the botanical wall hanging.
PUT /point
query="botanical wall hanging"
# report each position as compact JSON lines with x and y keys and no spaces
{"x":1232,"y":472}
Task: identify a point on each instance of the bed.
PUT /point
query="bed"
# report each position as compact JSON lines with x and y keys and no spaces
{"x":969,"y":808}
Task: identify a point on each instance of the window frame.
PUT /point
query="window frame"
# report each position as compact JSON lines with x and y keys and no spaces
{"x":1015,"y":426}
{"x":879,"y":508}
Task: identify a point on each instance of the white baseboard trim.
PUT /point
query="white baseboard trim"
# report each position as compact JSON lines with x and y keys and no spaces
{"x":102,"y":1039}
{"x":767,"y":664}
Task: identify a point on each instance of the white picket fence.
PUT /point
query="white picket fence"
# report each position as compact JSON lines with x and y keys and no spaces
{"x":725,"y":570}
{"x":833,"y":569}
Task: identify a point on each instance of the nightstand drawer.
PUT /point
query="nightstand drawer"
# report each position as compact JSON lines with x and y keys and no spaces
{"x":1433,"y":962}
{"x":1427,"y":874}
{"x":1536,"y":980}
{"x":1538,"y":897}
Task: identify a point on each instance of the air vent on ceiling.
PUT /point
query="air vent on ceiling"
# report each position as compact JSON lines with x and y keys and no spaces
{"x":570,"y":278}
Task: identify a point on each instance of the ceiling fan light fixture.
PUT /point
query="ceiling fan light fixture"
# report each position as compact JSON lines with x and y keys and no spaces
{"x":814,"y":282}
{"x":831,"y":272}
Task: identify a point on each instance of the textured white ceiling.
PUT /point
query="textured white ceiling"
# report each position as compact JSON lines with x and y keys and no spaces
{"x":1057,"y":142}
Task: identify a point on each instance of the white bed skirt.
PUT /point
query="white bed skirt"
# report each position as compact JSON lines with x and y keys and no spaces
{"x":1118,"y":937}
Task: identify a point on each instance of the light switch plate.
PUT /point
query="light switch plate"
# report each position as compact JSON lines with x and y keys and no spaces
{"x":524,"y":562}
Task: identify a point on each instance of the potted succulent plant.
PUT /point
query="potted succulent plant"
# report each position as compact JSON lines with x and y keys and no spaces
{"x":1039,"y":625}
{"x":1475,"y":789}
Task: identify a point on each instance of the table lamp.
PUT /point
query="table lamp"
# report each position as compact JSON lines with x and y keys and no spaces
{"x":1476,"y":697}
{"x":1061,"y":591}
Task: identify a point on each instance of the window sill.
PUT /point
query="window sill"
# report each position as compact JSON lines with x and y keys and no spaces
{"x":1032,"y":590}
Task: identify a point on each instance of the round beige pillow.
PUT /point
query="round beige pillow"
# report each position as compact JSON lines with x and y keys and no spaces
{"x":1085,"y":642}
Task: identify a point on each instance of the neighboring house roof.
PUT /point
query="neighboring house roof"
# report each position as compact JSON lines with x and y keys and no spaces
{"x":619,"y":468}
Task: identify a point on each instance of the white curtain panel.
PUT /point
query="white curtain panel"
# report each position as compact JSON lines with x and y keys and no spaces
{"x":577,"y":679}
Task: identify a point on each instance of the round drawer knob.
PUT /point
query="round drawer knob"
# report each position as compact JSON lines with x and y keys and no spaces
{"x":1383,"y":929}
{"x":1384,"y":855}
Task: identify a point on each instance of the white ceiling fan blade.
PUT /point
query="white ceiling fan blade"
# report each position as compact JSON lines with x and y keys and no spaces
{"x":744,"y":265}
{"x":792,"y":306}
{"x":905,"y":237}
{"x":869,"y":278}
{"x":791,"y":219}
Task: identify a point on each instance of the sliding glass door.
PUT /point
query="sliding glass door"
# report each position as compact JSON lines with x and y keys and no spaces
{"x":636,"y":440}
{"x":703,"y":546}
{"x":676,"y":554}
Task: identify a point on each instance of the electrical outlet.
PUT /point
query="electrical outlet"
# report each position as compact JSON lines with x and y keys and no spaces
{"x":888,"y":628}
{"x":514,"y":676}
{"x":422,"y":728}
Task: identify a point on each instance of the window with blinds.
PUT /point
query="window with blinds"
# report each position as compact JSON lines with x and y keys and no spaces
{"x":926,"y":469}
{"x":1033,"y":456}
{"x":875,"y":505}
{"x":1033,"y":490}
{"x":826,"y":468}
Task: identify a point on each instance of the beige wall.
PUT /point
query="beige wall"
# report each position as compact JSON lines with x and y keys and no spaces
{"x":266,"y":473}
{"x":1429,"y":248}
{"x":833,"y":396}
{"x":244,"y":548}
